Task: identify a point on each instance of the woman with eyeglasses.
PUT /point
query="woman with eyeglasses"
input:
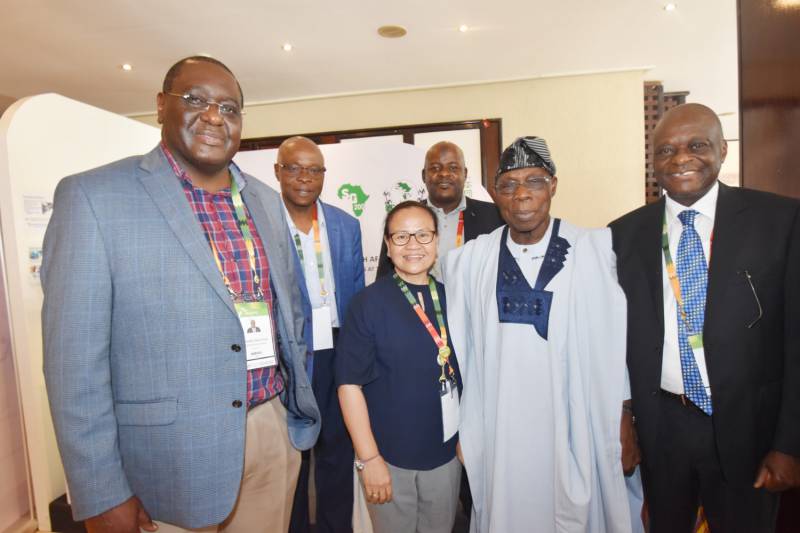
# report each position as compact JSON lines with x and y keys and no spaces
{"x":399,"y":384}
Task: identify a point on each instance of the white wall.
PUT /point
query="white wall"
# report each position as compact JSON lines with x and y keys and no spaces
{"x":15,"y":500}
{"x":42,"y":139}
{"x":593,"y":123}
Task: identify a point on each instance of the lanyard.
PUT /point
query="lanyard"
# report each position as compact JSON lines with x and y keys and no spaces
{"x":241,"y":219}
{"x":460,"y":229}
{"x":672,"y":274}
{"x":317,"y":252}
{"x":443,"y":357}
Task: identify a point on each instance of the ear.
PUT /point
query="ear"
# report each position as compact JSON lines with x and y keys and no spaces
{"x":160,"y":99}
{"x":723,"y":151}
{"x":388,"y":248}
{"x":423,"y":176}
{"x":553,"y":186}
{"x":275,"y":167}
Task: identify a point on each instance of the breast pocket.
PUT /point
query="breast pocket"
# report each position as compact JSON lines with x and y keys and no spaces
{"x":160,"y":412}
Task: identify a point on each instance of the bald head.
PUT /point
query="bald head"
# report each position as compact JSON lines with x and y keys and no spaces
{"x":300,"y":171}
{"x":688,"y":152}
{"x":298,"y":142}
{"x":444,"y":175}
{"x":175,"y":70}
{"x":686,"y":114}
{"x":433,"y":151}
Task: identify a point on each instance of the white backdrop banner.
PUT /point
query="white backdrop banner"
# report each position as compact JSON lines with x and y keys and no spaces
{"x":365,"y":179}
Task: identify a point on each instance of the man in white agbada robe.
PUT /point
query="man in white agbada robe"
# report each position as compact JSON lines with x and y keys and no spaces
{"x":544,"y":371}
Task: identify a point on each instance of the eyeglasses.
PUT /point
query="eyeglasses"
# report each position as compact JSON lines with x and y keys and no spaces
{"x":423,"y":236}
{"x":201,"y":104}
{"x":294,"y":171}
{"x":509,"y":187}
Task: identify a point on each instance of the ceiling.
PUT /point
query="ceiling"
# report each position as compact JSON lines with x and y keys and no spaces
{"x":76,"y":47}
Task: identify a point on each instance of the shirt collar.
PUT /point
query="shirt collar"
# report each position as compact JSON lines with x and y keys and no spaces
{"x":706,"y":205}
{"x":440,"y":212}
{"x":519,"y":251}
{"x":290,"y":221}
{"x":181,"y":173}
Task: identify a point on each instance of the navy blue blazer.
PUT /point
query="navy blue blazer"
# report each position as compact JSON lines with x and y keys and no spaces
{"x":347,"y":260}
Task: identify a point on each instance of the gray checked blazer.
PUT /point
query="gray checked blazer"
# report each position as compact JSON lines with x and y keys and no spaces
{"x":142,"y":359}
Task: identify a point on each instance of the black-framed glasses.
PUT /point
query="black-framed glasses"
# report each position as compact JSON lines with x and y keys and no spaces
{"x":199,"y":103}
{"x":423,"y":236}
{"x":294,"y":171}
{"x":507,"y":187}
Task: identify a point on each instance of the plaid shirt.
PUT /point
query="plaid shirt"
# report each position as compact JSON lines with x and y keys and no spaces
{"x":217,"y":216}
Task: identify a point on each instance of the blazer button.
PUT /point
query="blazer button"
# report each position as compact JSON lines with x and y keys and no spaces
{"x":237,"y":403}
{"x":236,"y":348}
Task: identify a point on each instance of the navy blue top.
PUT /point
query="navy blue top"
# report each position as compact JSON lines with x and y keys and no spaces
{"x":384,"y":347}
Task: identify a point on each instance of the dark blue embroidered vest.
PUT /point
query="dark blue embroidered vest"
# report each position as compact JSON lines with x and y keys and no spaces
{"x":517,"y":302}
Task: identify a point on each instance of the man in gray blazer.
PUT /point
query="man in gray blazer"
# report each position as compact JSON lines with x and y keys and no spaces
{"x":165,"y":408}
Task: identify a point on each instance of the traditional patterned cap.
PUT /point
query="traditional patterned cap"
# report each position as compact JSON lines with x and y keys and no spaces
{"x":527,"y":152}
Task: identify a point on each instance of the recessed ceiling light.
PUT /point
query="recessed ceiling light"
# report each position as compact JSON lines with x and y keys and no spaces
{"x":127,"y":67}
{"x":463,"y":28}
{"x":391,"y":31}
{"x":287,"y":47}
{"x":670,"y":7}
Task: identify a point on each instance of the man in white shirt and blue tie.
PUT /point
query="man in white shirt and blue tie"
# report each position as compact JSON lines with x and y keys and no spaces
{"x":712,"y":278}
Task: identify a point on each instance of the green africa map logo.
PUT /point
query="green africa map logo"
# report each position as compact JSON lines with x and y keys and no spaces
{"x":400,"y":192}
{"x":356,"y":195}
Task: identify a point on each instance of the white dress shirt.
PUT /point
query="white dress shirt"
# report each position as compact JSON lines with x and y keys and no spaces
{"x":310,"y":264}
{"x":448,"y":230}
{"x":671,"y":374}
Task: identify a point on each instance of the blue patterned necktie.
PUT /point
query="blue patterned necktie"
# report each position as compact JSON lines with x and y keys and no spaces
{"x":693,"y":276}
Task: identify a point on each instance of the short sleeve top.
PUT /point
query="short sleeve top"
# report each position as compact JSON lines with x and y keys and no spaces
{"x":384,"y":347}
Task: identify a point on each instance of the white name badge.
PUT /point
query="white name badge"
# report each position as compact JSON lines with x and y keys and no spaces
{"x":322,"y":326}
{"x":450,"y":403}
{"x":258,"y":338}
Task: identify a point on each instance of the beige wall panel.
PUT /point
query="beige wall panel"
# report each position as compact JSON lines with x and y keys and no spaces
{"x":593,"y":123}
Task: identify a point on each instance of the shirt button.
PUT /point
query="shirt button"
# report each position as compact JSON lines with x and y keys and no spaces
{"x":236,"y":348}
{"x":237,"y":403}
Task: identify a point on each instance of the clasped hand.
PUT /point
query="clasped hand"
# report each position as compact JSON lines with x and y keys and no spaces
{"x":377,"y":481}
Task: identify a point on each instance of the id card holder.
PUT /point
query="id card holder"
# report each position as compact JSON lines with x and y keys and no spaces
{"x":448,"y":394}
{"x":322,"y":325}
{"x":259,"y":340}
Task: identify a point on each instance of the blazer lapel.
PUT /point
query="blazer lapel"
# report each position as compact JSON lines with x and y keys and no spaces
{"x":271,"y":228}
{"x":335,"y":244}
{"x":722,"y":264}
{"x":470,"y":221}
{"x":649,"y":244}
{"x":165,"y":190}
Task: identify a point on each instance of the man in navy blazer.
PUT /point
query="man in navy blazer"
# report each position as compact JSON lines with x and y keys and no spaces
{"x":164,"y":407}
{"x":329,"y":261}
